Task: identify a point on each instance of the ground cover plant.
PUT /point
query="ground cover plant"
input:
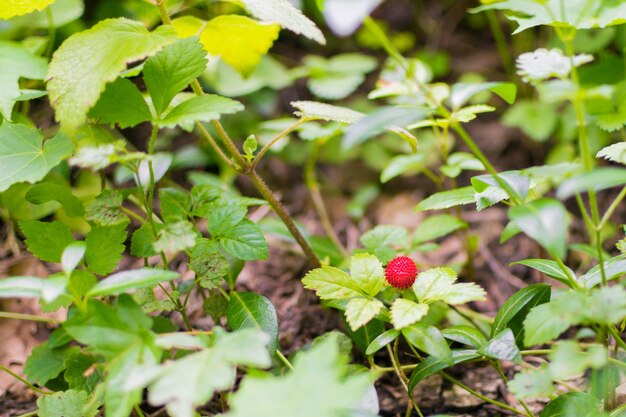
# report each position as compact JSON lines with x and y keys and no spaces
{"x":143,"y":144}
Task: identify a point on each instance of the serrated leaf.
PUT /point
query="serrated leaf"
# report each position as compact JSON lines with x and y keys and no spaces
{"x":238,"y":40}
{"x":547,"y":321}
{"x":173,"y":69}
{"x":77,"y":364}
{"x":44,"y":363}
{"x":368,"y":273}
{"x":11,"y":8}
{"x":69,"y":403}
{"x":24,"y":156}
{"x":406,"y":312}
{"x":360,"y":311}
{"x":317,"y":387}
{"x":438,"y":284}
{"x":532,"y":383}
{"x":286,"y":15}
{"x":43,"y":193}
{"x":432,"y":365}
{"x":434,"y":227}
{"x":248,"y":310}
{"x":142,"y":241}
{"x":106,"y":209}
{"x":331,"y":284}
{"x":46,"y":240}
{"x":546,"y":221}
{"x":384,"y":235}
{"x":74,"y":89}
{"x":615,"y":153}
{"x":516,"y":308}
{"x":16,"y":62}
{"x":428,"y":339}
{"x":447,"y":199}
{"x":222,"y":218}
{"x":209,"y":265}
{"x":322,"y":111}
{"x":105,"y":245}
{"x":175,"y":204}
{"x":176,"y":237}
{"x":199,"y":109}
{"x":121,"y":103}
{"x":245,"y":241}
{"x":382,"y":340}
{"x":131,"y":280}
{"x":502,"y":346}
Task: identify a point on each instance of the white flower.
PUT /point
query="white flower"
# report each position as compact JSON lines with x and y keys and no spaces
{"x":543,"y":64}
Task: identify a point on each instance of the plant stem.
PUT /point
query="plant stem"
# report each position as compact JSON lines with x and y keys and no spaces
{"x":276,"y":139}
{"x":617,"y":336}
{"x":401,"y":375}
{"x":611,"y":209}
{"x":284,"y":360}
{"x":482,"y":397}
{"x":503,"y":48}
{"x":318,"y":201}
{"x":29,"y":317}
{"x":52,"y":32}
{"x":19,"y":378}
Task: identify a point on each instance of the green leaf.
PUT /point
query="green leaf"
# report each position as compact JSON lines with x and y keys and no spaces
{"x":432,"y":365}
{"x":438,"y":284}
{"x":568,"y":360}
{"x":250,"y":310}
{"x":331,"y":284}
{"x":502,"y":346}
{"x":597,"y":180}
{"x":70,"y":403}
{"x":72,"y":255}
{"x":428,"y":339}
{"x":9,"y":8}
{"x":365,"y":335}
{"x":447,"y":199}
{"x":32,"y":287}
{"x":546,"y":221}
{"x":489,"y":191}
{"x":384,"y":235}
{"x":572,"y":404}
{"x":48,"y":191}
{"x":131,"y":280}
{"x":142,"y":241}
{"x":105,"y":245}
{"x":24,"y":156}
{"x":81,"y":282}
{"x":46,"y":240}
{"x":211,"y":370}
{"x":74,"y":89}
{"x":532,"y":383}
{"x":613,"y":268}
{"x":45,"y":363}
{"x":406,"y":312}
{"x":106,"y":209}
{"x":286,"y":15}
{"x":209,"y":265}
{"x":462,"y":92}
{"x":121,"y":103}
{"x":547,"y":321}
{"x":549,"y":268}
{"x":516,"y":308}
{"x":434,"y":227}
{"x":77,"y":364}
{"x":238,"y":40}
{"x":360,"y":311}
{"x":16,"y":62}
{"x":615,"y":153}
{"x":578,"y":14}
{"x":175,"y":204}
{"x":382,"y":340}
{"x":368,"y":273}
{"x":199,"y":109}
{"x":222,"y":218}
{"x":466,"y":335}
{"x":245,"y":241}
{"x":459,"y":162}
{"x":317,"y":387}
{"x":172,"y":70}
{"x":535,"y":118}
{"x":401,"y":165}
{"x":176,"y":237}
{"x":321,"y":111}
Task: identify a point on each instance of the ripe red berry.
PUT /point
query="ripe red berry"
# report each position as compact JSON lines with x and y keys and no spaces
{"x":401,"y":272}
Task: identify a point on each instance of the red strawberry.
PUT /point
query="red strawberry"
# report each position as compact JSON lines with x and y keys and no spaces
{"x":401,"y":272}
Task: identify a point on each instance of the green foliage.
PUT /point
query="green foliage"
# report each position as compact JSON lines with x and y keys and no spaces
{"x":247,"y":310}
{"x":69,"y":403}
{"x":46,"y":240}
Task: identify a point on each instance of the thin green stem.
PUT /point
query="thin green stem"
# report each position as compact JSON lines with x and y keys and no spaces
{"x":482,"y":397}
{"x":503,"y":48}
{"x":617,"y":336}
{"x":52,"y":32}
{"x":284,"y":360}
{"x":572,"y":280}
{"x":609,"y":212}
{"x":275,"y":139}
{"x":165,"y":17}
{"x":138,"y":411}
{"x":24,"y":381}
{"x":214,"y":145}
{"x":28,"y":317}
{"x":403,"y":379}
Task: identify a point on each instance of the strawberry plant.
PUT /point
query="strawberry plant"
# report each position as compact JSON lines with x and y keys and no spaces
{"x":135,"y":139}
